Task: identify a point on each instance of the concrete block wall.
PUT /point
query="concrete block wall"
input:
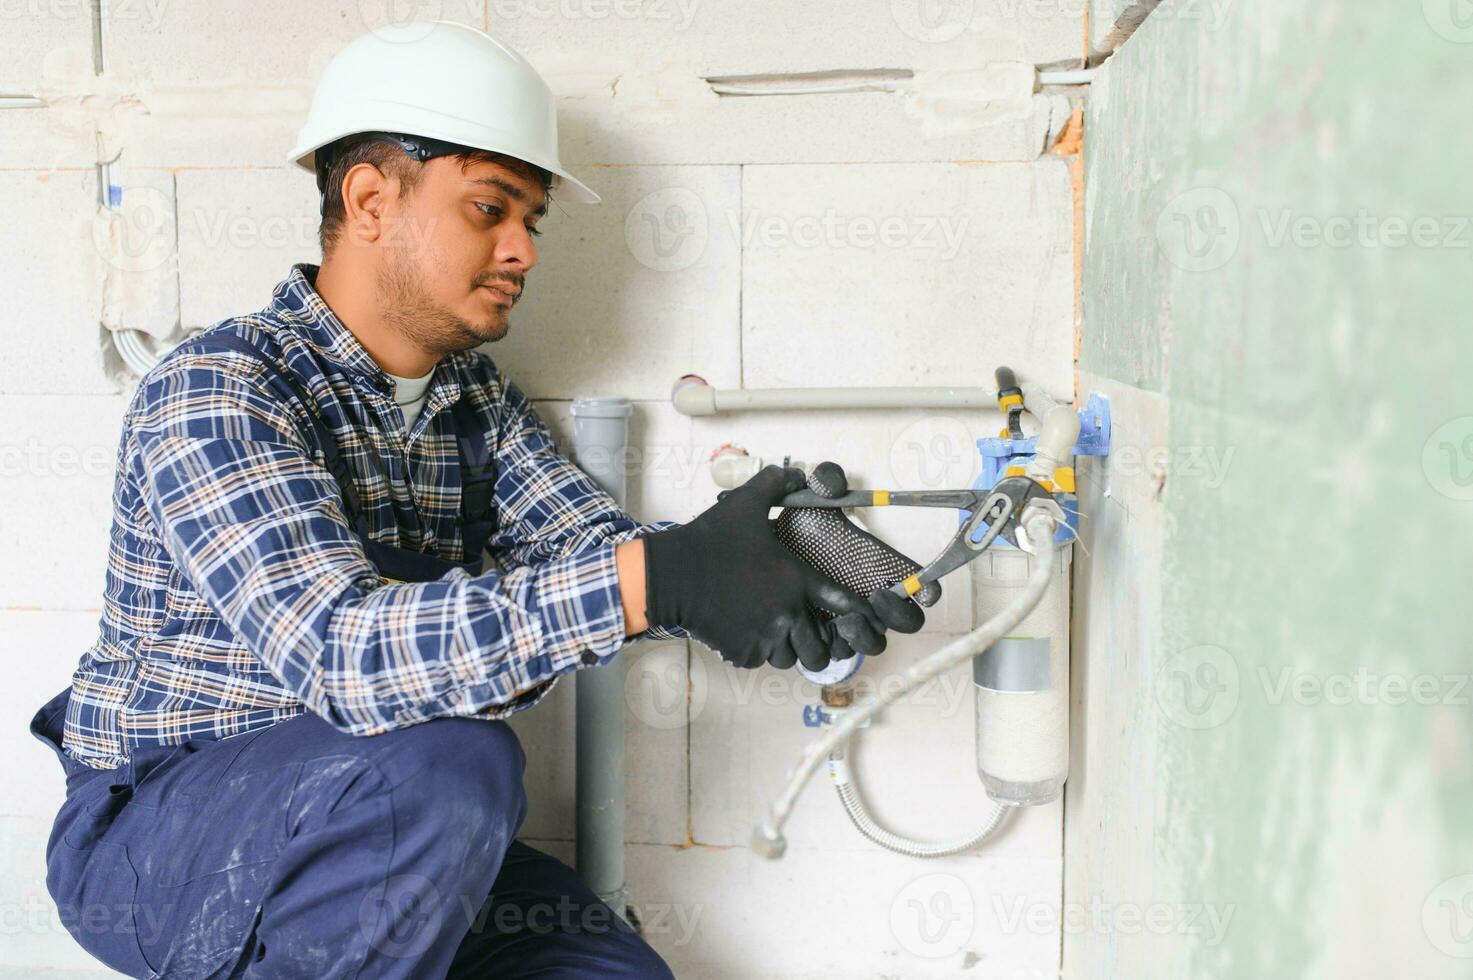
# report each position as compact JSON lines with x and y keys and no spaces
{"x":834,"y":240}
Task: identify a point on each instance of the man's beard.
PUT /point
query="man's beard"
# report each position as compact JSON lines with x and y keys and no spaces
{"x":430,"y":327}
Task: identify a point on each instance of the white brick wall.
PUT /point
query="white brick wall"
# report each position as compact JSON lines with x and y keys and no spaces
{"x":608,"y":311}
{"x":50,"y":240}
{"x":906,"y":274}
{"x":813,"y":240}
{"x":39,"y":651}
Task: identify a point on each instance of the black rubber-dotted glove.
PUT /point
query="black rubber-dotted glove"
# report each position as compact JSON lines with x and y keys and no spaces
{"x":727,"y":580}
{"x":851,"y":556}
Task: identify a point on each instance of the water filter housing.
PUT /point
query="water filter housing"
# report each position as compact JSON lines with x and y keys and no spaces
{"x":1021,"y":683}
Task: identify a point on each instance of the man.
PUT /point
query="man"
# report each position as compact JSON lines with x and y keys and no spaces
{"x":284,"y":755}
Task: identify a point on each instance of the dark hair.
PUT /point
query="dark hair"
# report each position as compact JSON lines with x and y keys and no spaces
{"x":390,"y":158}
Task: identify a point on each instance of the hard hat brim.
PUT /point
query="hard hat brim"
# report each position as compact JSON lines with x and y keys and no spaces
{"x":568,"y":187}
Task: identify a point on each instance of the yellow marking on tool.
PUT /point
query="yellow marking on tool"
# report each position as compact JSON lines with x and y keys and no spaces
{"x":881,"y":499}
{"x":912,"y":585}
{"x":1008,"y":401}
{"x":1063,"y":481}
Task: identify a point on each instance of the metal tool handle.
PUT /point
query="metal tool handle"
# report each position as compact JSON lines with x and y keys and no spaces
{"x":808,"y":498}
{"x":948,"y":499}
{"x":993,"y":514}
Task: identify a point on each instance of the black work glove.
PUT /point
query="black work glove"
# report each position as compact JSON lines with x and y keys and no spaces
{"x":727,"y":580}
{"x":851,"y":556}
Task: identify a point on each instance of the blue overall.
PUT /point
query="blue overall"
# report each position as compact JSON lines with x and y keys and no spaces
{"x":301,"y":851}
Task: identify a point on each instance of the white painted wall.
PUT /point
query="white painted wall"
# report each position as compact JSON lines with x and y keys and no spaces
{"x":816,"y":240}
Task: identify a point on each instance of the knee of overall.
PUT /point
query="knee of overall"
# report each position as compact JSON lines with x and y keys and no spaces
{"x":457,"y":770}
{"x":641,"y":961}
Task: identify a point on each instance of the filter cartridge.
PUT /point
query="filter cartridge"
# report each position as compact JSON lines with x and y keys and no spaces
{"x":1021,"y":683}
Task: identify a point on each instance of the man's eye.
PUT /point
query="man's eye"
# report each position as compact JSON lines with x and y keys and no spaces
{"x":492,"y":211}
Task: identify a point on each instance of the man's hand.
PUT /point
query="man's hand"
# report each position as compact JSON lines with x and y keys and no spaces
{"x":629,"y":565}
{"x":897,"y":612}
{"x":727,"y":580}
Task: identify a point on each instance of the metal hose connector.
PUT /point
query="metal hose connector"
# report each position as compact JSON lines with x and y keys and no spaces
{"x":866,"y":824}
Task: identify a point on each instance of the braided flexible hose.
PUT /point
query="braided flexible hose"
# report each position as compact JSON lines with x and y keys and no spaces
{"x":866,"y":824}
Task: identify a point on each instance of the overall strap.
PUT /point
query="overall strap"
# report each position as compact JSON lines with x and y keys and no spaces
{"x":337,"y":463}
{"x":477,"y":478}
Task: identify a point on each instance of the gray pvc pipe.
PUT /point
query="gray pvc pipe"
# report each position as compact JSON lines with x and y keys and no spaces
{"x":600,"y":437}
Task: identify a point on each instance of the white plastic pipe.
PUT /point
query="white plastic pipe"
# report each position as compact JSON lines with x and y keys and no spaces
{"x":852,"y":82}
{"x":1081,"y":76}
{"x":802,"y":86}
{"x":731,"y":467}
{"x":693,"y":396}
{"x":1055,"y":443}
{"x":1038,"y":401}
{"x":1039,"y":525}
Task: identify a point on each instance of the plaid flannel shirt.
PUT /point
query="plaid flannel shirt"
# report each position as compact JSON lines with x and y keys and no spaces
{"x":236,"y":596}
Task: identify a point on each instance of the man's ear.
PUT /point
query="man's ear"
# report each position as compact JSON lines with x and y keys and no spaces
{"x":367,"y":193}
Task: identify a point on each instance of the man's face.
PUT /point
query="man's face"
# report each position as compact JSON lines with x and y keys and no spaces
{"x":456,"y":259}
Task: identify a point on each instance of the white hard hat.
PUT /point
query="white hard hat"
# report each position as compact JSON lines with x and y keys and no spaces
{"x":443,"y":81}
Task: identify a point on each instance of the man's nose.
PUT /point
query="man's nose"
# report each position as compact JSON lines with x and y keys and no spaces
{"x":516,"y":248}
